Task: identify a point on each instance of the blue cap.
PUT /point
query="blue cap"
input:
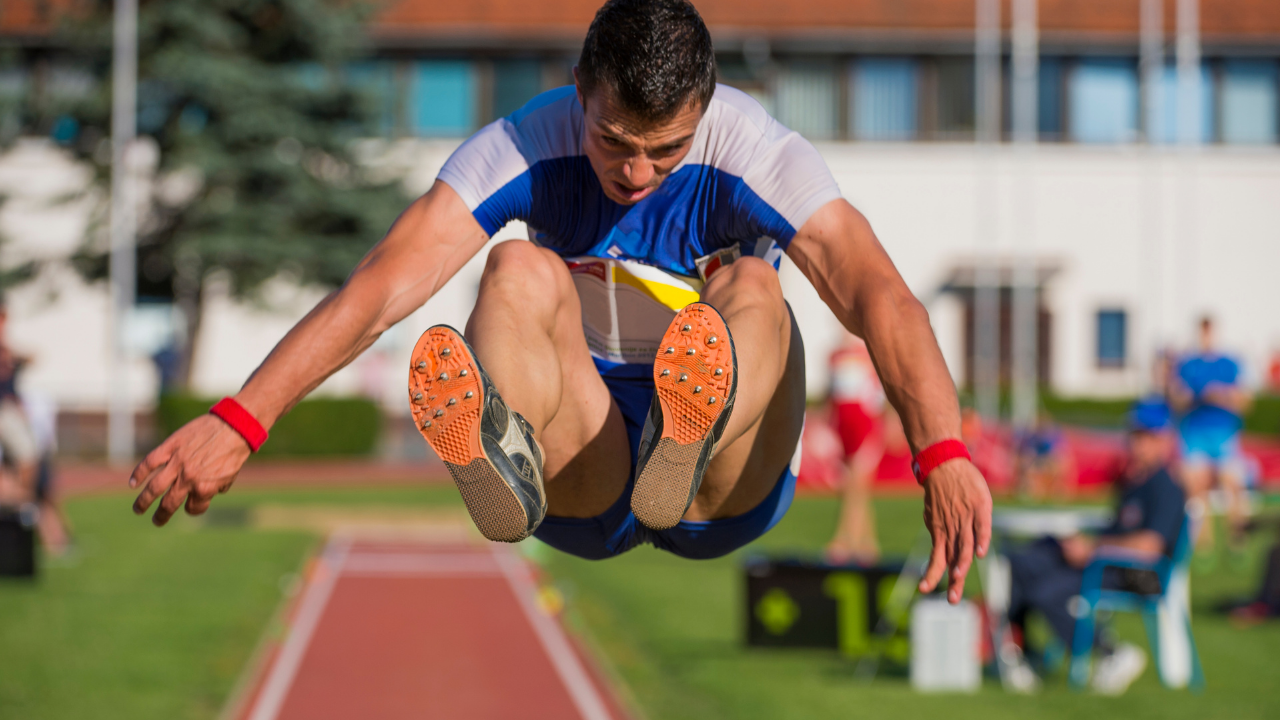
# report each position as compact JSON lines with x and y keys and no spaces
{"x":1148,"y":415}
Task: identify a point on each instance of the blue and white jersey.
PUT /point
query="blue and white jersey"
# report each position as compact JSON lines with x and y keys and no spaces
{"x":745,"y":187}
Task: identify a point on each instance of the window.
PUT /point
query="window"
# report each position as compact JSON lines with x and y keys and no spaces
{"x":515,"y":82}
{"x":13,"y":92}
{"x":1112,"y":338}
{"x":955,"y":98}
{"x":1104,"y":101}
{"x":1049,"y":89}
{"x":806,"y":98}
{"x":443,"y":96}
{"x":736,"y":72}
{"x":374,"y":81}
{"x":1249,"y":101}
{"x":884,"y":99}
{"x":1163,"y":128}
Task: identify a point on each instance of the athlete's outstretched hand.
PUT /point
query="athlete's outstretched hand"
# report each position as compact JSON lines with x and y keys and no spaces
{"x":957,"y":512}
{"x":195,"y":463}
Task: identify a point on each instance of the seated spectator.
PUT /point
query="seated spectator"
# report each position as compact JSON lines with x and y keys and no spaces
{"x":1047,"y":575}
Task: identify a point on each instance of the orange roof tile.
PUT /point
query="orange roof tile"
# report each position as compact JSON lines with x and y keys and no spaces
{"x":1221,"y":20}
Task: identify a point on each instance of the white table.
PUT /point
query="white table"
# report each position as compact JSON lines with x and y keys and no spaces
{"x":1055,"y":522}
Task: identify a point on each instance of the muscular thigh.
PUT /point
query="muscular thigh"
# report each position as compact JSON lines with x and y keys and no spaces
{"x":588,"y":458}
{"x":743,"y":473}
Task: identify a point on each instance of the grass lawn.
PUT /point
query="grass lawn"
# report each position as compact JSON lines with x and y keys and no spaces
{"x":673,"y":631}
{"x":147,"y":623}
{"x":159,"y":624}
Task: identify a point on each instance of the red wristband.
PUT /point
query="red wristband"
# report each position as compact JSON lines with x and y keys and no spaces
{"x":936,"y":454}
{"x":234,"y":414}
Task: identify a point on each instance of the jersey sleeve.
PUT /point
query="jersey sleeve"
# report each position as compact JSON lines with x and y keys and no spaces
{"x":490,"y":172}
{"x":786,"y":184}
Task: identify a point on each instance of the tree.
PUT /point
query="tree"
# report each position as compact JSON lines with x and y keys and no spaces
{"x":254,"y":116}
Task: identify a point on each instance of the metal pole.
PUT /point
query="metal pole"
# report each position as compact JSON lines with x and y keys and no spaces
{"x":1190,"y":130}
{"x":1153,"y":327}
{"x":124,"y":78}
{"x":986,"y":280}
{"x":1026,"y":68}
{"x":1151,"y":68}
{"x":1190,"y":135}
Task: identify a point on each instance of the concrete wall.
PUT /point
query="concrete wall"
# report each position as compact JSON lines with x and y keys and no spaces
{"x":1163,"y":236}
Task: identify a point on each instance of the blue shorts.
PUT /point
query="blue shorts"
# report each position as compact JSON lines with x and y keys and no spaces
{"x":1214,"y":446}
{"x":616,"y":530}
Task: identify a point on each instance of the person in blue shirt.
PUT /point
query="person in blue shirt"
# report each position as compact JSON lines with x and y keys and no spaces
{"x":1206,"y":391}
{"x":1150,"y":509}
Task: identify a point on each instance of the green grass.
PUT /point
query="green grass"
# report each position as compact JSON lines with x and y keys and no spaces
{"x":673,"y":631}
{"x":159,"y":624}
{"x":146,"y":623}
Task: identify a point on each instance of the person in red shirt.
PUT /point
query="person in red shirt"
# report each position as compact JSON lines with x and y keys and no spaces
{"x":857,"y":411}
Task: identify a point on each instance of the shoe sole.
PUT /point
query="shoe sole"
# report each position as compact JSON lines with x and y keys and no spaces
{"x":692,"y":398}
{"x":447,"y":396}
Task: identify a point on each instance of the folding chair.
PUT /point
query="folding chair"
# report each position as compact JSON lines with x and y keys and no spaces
{"x":1172,"y":605}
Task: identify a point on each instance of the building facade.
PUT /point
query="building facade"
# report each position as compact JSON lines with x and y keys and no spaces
{"x":1134,"y":235}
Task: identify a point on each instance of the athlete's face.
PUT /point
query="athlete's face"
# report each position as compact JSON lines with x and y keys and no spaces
{"x":632,"y":158}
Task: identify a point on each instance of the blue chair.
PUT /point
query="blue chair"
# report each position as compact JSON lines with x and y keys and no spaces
{"x":1171,"y":570}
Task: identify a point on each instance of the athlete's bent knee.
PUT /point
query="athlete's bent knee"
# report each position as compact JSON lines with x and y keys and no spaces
{"x":525,"y":271}
{"x":749,"y":276}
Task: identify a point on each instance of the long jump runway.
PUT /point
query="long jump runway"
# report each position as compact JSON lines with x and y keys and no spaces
{"x":389,"y":629}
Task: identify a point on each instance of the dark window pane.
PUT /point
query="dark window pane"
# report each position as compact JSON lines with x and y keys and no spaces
{"x":955,"y":97}
{"x":1050,"y":103}
{"x":515,"y":82}
{"x":806,"y":97}
{"x":1111,"y":338}
{"x":374,"y":80}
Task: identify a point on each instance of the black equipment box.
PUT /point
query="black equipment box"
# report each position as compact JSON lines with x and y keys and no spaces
{"x":18,"y":541}
{"x":797,"y":603}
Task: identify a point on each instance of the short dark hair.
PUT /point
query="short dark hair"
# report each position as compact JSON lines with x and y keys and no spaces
{"x":655,"y":55}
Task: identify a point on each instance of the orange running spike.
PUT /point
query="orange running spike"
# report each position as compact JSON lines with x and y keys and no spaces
{"x":488,"y":448}
{"x":694,"y":374}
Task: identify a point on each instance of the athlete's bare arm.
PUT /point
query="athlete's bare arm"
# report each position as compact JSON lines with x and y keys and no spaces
{"x":428,"y":243}
{"x":837,"y":250}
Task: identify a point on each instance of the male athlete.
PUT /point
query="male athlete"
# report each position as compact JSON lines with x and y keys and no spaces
{"x":633,"y":374}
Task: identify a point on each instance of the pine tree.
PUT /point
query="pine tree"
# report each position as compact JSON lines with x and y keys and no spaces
{"x":255,"y":118}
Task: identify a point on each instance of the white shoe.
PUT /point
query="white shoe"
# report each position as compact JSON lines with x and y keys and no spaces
{"x":1015,"y":673}
{"x":1116,"y":672}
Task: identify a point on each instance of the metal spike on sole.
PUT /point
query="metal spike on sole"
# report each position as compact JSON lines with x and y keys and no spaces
{"x":450,"y":380}
{"x":671,"y":469}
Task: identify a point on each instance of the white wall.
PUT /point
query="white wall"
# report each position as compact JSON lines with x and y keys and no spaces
{"x":1163,"y":236}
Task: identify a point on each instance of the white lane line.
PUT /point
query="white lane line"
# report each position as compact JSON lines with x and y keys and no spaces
{"x":581,"y":688}
{"x":285,"y":668}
